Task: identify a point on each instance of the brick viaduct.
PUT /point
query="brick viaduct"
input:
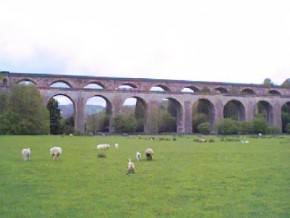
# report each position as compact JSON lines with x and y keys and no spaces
{"x":217,"y":94}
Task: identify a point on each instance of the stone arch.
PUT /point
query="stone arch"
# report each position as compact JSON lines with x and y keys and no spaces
{"x":174,"y":108}
{"x":159,"y":88}
{"x":266,"y":109}
{"x":26,"y":81}
{"x":127,"y":86}
{"x":235,"y":110}
{"x":285,"y":116}
{"x":248,"y":91}
{"x":67,"y":108}
{"x":136,"y":106}
{"x":221,"y":90}
{"x":60,"y":84}
{"x":97,"y":113}
{"x":190,"y":89}
{"x":274,"y":92}
{"x":94,"y":85}
{"x":203,"y":110}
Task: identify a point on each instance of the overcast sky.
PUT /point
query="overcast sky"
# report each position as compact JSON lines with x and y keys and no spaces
{"x":209,"y":40}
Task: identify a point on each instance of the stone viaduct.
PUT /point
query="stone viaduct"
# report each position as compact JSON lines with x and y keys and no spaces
{"x":217,"y":95}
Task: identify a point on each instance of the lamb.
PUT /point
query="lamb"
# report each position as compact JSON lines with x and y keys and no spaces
{"x":103,"y":146}
{"x":131,"y":167}
{"x":55,"y":152}
{"x":149,"y":153}
{"x":138,"y":156}
{"x":26,"y":153}
{"x":116,"y":145}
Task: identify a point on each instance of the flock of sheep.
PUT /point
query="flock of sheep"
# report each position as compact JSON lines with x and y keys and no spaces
{"x":131,"y":166}
{"x":56,"y":151}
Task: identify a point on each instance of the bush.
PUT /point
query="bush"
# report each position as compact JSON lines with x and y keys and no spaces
{"x":125,"y":123}
{"x":228,"y":127}
{"x":259,"y":125}
{"x":246,"y":127}
{"x":288,"y":128}
{"x":204,"y":128}
{"x":273,"y":130}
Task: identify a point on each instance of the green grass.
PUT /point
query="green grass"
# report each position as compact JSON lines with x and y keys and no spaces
{"x":185,"y":179}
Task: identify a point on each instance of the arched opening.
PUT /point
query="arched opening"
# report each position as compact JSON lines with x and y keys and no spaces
{"x":94,"y":85}
{"x":159,"y":88}
{"x":127,"y":87}
{"x":221,"y":90}
{"x":132,"y":117}
{"x":202,"y":112}
{"x":235,"y":110}
{"x":26,"y":82}
{"x":62,"y":114}
{"x":274,"y":92}
{"x":170,"y":115}
{"x":285,"y":115}
{"x":60,"y":85}
{"x":190,"y":89}
{"x":266,"y":110}
{"x":247,"y":91}
{"x":98,"y":112}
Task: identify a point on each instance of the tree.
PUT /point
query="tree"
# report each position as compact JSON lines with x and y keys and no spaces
{"x":97,"y":122}
{"x":167,"y":122}
{"x":204,"y":128}
{"x":55,"y":117}
{"x":268,"y":83}
{"x":67,"y":125}
{"x":228,"y":127}
{"x":125,"y":123}
{"x":24,"y":112}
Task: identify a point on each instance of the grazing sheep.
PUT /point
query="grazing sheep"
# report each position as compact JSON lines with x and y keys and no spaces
{"x":116,"y":145}
{"x":26,"y":153}
{"x":260,"y":134}
{"x":138,"y":156}
{"x":103,"y":146}
{"x":149,"y":153}
{"x":55,"y":152}
{"x":131,"y":167}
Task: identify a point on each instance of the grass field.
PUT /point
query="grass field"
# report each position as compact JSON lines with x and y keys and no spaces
{"x":185,"y":179}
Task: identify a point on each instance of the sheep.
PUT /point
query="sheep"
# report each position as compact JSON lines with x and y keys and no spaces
{"x":55,"y":152}
{"x":138,"y":156}
{"x":116,"y":145}
{"x":131,"y":167}
{"x":26,"y":153}
{"x":149,"y":153}
{"x":103,"y":146}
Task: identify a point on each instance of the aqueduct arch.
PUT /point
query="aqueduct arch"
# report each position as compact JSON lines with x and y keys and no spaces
{"x":243,"y":97}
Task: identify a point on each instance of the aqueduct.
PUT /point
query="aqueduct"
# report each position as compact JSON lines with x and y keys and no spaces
{"x":246,"y":99}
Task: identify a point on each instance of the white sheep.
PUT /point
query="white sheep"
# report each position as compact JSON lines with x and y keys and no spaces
{"x":149,"y":153}
{"x":131,"y":167}
{"x":116,"y":145}
{"x":138,"y":156}
{"x":26,"y":153}
{"x":55,"y":152}
{"x":103,"y":146}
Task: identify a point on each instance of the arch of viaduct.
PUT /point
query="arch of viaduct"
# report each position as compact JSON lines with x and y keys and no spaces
{"x":217,"y":93}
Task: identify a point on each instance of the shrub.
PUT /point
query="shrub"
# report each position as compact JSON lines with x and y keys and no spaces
{"x":228,"y":127}
{"x":125,"y":123}
{"x":204,"y":128}
{"x":288,"y":128}
{"x":259,"y":125}
{"x":246,"y":127}
{"x":273,"y":130}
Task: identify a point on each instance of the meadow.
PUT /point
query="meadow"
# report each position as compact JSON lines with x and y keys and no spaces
{"x":224,"y":178}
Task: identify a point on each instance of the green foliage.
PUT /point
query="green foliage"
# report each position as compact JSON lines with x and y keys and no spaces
{"x":204,"y":128}
{"x":167,"y":122}
{"x":268,"y":83}
{"x":288,"y":128}
{"x":55,"y":117}
{"x":125,"y":123}
{"x":246,"y":127}
{"x":67,"y":125}
{"x":24,"y":112}
{"x":197,"y":119}
{"x":285,"y":116}
{"x":228,"y":127}
{"x":260,"y":124}
{"x":98,"y":122}
{"x":3,"y":101}
{"x":273,"y":130}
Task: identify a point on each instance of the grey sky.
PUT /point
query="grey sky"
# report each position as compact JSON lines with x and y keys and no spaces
{"x":226,"y":40}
